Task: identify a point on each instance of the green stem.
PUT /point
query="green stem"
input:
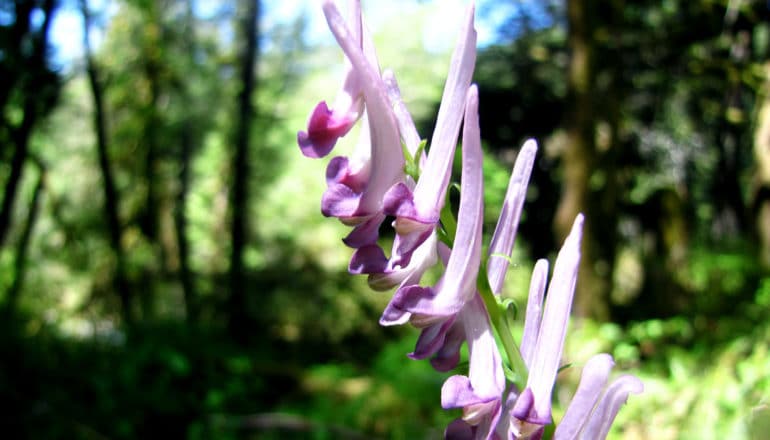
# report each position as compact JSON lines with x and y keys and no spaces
{"x":500,"y":324}
{"x":503,"y":331}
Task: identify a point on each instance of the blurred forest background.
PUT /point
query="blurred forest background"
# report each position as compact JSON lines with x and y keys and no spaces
{"x":165,"y":270}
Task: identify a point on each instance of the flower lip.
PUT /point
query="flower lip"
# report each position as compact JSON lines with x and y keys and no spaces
{"x":323,"y":131}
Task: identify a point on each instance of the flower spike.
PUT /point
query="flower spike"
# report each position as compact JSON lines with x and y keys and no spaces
{"x":389,"y":174}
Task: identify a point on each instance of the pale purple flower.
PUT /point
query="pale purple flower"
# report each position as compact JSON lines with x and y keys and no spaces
{"x":372,"y":183}
{"x":417,"y":206}
{"x":428,"y":306}
{"x":594,"y":406}
{"x":356,"y":186}
{"x":479,"y":394}
{"x":326,"y":125}
{"x":532,"y":408}
{"x":417,"y":209}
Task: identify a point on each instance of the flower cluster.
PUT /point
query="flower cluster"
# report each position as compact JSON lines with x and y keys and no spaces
{"x":507,"y":391}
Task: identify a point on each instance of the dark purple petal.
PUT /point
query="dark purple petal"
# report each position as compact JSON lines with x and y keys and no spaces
{"x":526,"y":421}
{"x":458,"y":430}
{"x":394,"y":316}
{"x":448,"y":356}
{"x":365,"y":233}
{"x":412,"y":229}
{"x":368,"y":259}
{"x":340,"y":171}
{"x":524,"y":404}
{"x":340,"y":201}
{"x":324,"y":128}
{"x":398,"y":202}
{"x":432,"y":339}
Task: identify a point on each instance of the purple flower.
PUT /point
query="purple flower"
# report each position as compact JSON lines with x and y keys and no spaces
{"x":326,"y":125}
{"x":356,"y":186}
{"x":593,"y":408}
{"x":532,"y":409}
{"x":479,"y":394}
{"x":428,"y":306}
{"x":417,"y":209}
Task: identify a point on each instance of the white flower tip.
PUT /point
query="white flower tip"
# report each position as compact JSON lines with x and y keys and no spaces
{"x":389,"y":77}
{"x":601,"y":360}
{"x":328,"y":5}
{"x":577,"y":226}
{"x":529,"y":145}
{"x":631,"y":384}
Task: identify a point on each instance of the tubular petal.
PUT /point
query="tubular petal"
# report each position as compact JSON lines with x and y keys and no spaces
{"x":616,"y":395}
{"x":592,"y":382}
{"x":505,"y":231}
{"x":534,"y":314}
{"x":553,"y":328}
{"x":386,"y":156}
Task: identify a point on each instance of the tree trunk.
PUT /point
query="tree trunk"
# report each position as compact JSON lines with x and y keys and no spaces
{"x":240,"y":168}
{"x":20,"y":138}
{"x":111,"y":196}
{"x":20,"y":262}
{"x":579,"y":161}
{"x":32,"y":77}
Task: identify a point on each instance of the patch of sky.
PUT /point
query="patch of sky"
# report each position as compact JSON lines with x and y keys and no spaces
{"x":438,"y":34}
